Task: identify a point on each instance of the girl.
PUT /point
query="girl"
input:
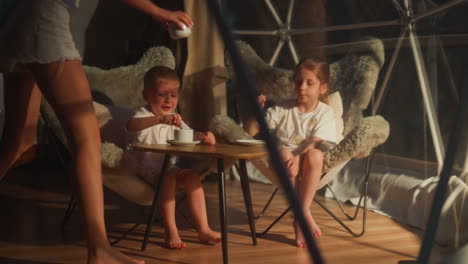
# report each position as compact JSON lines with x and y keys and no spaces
{"x":301,"y":125}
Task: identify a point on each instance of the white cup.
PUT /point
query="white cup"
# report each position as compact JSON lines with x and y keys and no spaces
{"x":183,"y":135}
{"x":176,"y":33}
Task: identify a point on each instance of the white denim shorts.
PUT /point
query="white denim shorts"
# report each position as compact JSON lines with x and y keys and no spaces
{"x":36,"y":31}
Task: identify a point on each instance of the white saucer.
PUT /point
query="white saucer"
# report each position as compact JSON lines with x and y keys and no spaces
{"x":183,"y":143}
{"x":250,"y":142}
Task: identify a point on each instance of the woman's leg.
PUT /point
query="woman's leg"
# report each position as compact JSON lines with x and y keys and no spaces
{"x":22,"y":104}
{"x":66,"y":88}
{"x":189,"y":180}
{"x":167,"y":208}
{"x":307,"y":186}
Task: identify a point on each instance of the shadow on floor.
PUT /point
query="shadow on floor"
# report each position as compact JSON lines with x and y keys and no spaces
{"x":19,"y":261}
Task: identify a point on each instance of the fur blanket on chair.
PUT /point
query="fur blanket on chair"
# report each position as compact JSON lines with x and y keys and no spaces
{"x":122,"y":86}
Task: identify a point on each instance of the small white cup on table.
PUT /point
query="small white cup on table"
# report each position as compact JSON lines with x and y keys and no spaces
{"x":183,"y":135}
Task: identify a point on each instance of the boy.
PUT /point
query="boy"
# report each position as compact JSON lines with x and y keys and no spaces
{"x":155,"y":124}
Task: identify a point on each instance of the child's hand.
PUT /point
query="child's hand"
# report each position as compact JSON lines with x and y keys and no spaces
{"x":209,"y":138}
{"x":173,"y":119}
{"x":261,"y":100}
{"x":292,"y":165}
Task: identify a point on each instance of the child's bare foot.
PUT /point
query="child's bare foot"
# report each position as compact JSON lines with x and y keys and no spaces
{"x":316,"y":232}
{"x":173,"y":241}
{"x":209,"y":235}
{"x":109,"y":255}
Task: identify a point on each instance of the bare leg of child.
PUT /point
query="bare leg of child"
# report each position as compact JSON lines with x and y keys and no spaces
{"x":285,"y":154}
{"x":168,"y":203}
{"x":190,"y":182}
{"x":307,"y":186}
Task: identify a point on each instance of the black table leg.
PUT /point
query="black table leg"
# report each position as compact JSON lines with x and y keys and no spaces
{"x":222,"y":209}
{"x":154,"y":205}
{"x":247,"y":199}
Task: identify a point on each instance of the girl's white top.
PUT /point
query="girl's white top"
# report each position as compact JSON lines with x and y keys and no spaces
{"x":294,"y":129}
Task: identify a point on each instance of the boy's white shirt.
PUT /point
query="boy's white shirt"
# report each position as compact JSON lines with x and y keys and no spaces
{"x":157,"y":134}
{"x":292,"y":127}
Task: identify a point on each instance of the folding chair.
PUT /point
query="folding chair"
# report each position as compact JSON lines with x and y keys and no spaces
{"x":106,"y":116}
{"x":326,"y":177}
{"x":111,"y":117}
{"x":360,"y":138}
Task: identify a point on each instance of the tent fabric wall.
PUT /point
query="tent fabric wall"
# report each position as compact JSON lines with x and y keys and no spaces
{"x":205,"y":74}
{"x":407,"y":196}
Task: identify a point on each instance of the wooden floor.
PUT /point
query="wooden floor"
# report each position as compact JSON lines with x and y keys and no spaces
{"x":33,"y":201}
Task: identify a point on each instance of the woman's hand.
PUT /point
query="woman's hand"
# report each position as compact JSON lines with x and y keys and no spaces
{"x":292,"y":165}
{"x":173,"y":119}
{"x":160,"y":14}
{"x":178,"y":17}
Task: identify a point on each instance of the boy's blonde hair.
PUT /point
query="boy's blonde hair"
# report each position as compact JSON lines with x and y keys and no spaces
{"x":157,"y":74}
{"x":319,"y":67}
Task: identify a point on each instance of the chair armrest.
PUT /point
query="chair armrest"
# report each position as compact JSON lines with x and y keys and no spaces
{"x":359,"y":142}
{"x":226,"y":130}
{"x":111,"y":154}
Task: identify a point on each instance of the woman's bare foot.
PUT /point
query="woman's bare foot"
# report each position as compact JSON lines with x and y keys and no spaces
{"x":209,"y":235}
{"x":316,"y":232}
{"x":173,"y":241}
{"x":109,"y":255}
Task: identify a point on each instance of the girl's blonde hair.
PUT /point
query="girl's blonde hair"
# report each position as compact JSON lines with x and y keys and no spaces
{"x":319,"y":67}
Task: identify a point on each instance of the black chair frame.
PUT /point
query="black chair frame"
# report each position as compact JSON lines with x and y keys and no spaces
{"x":362,"y":198}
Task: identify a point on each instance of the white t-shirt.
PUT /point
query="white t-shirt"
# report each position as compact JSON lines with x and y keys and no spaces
{"x":293,"y":128}
{"x":158,"y":134}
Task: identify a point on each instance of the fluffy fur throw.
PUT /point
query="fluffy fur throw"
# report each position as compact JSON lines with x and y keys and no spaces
{"x":111,"y":155}
{"x":122,"y":86}
{"x":226,"y":130}
{"x":359,"y":142}
{"x":355,"y":77}
{"x":272,"y":81}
